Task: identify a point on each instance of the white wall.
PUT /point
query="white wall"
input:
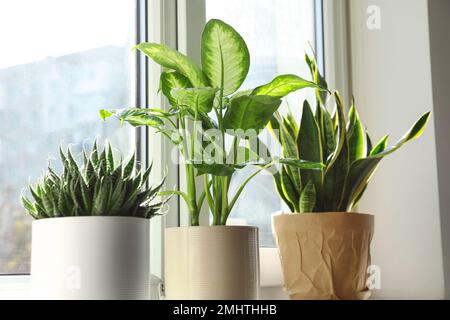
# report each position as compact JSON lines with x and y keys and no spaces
{"x":392,"y":84}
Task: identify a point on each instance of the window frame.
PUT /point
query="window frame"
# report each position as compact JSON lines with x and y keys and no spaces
{"x":166,"y":21}
{"x":17,"y":285}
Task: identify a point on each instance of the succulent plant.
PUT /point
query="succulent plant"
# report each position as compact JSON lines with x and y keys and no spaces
{"x":97,"y":188}
{"x":343,"y":146}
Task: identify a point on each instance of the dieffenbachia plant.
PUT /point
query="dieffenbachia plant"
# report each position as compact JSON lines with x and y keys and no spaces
{"x":207,"y":97}
{"x":102,"y":186}
{"x":343,"y":146}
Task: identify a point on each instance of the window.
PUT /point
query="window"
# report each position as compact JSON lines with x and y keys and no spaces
{"x":63,"y":61}
{"x":289,"y":31}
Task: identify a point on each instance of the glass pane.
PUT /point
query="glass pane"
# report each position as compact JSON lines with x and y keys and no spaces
{"x":278,"y":33}
{"x":61,"y":62}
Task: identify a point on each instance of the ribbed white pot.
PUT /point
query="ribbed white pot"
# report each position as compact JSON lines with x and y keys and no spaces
{"x":212,"y":263}
{"x":90,"y":258}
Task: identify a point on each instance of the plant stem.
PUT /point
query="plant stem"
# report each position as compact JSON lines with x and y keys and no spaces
{"x":224,"y":209}
{"x":190,"y":180}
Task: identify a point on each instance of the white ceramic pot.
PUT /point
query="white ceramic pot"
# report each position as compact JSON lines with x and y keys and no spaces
{"x":212,"y":263}
{"x":90,"y":258}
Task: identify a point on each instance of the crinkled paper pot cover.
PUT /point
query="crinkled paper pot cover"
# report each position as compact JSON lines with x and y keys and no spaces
{"x":324,"y":255}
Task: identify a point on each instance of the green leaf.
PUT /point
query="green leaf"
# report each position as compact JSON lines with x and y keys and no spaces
{"x":289,"y":148}
{"x":283,"y":85}
{"x":225,"y":56}
{"x":380,"y":146}
{"x":197,"y":99}
{"x":250,"y":112}
{"x":105,"y":114}
{"x":358,"y":176}
{"x":128,"y":169}
{"x":338,"y":167}
{"x":216,"y":169}
{"x":309,"y":144}
{"x":318,"y":79}
{"x":413,"y":133}
{"x":109,"y":158}
{"x":368,"y":144}
{"x":288,"y":188}
{"x":301,"y":164}
{"x":171,"y":80}
{"x":356,"y":136}
{"x":172,"y":59}
{"x":308,"y":198}
{"x":138,"y":117}
{"x":328,"y":134}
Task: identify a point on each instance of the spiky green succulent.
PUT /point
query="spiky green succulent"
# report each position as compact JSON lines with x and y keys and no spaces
{"x":99,"y":187}
{"x":344,"y":146}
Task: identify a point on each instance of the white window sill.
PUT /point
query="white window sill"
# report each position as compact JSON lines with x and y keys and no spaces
{"x":18,"y":286}
{"x":14,"y":287}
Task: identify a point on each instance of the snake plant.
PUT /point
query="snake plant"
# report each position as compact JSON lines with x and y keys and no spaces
{"x":207,"y":98}
{"x":101,"y":186}
{"x":344,"y":146}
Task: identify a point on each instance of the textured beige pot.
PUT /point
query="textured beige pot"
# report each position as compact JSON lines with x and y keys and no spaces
{"x":324,"y":255}
{"x":212,"y":263}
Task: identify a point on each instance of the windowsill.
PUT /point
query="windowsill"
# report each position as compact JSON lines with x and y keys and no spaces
{"x":18,"y":288}
{"x":14,"y":287}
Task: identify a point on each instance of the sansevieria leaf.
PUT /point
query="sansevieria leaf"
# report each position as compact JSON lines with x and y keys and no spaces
{"x":356,"y":136}
{"x":311,"y":148}
{"x":413,"y":133}
{"x":337,"y":169}
{"x":308,"y":198}
{"x":225,"y":56}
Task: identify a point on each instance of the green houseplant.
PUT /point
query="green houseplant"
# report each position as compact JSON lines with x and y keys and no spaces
{"x":205,"y":101}
{"x":350,"y":159}
{"x":87,"y":218}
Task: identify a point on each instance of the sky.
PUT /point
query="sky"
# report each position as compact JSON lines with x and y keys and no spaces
{"x":32,"y":30}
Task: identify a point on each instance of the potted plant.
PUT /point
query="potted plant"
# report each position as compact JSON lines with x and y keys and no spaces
{"x":218,"y":261}
{"x":90,"y":237}
{"x":324,"y":248}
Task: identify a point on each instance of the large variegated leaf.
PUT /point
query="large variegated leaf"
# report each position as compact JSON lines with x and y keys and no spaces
{"x":310,"y":145}
{"x":137,"y":117}
{"x":172,"y":80}
{"x":225,"y":56}
{"x":250,"y":112}
{"x":197,"y":99}
{"x":282,"y":85}
{"x":172,"y":59}
{"x":216,"y":169}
